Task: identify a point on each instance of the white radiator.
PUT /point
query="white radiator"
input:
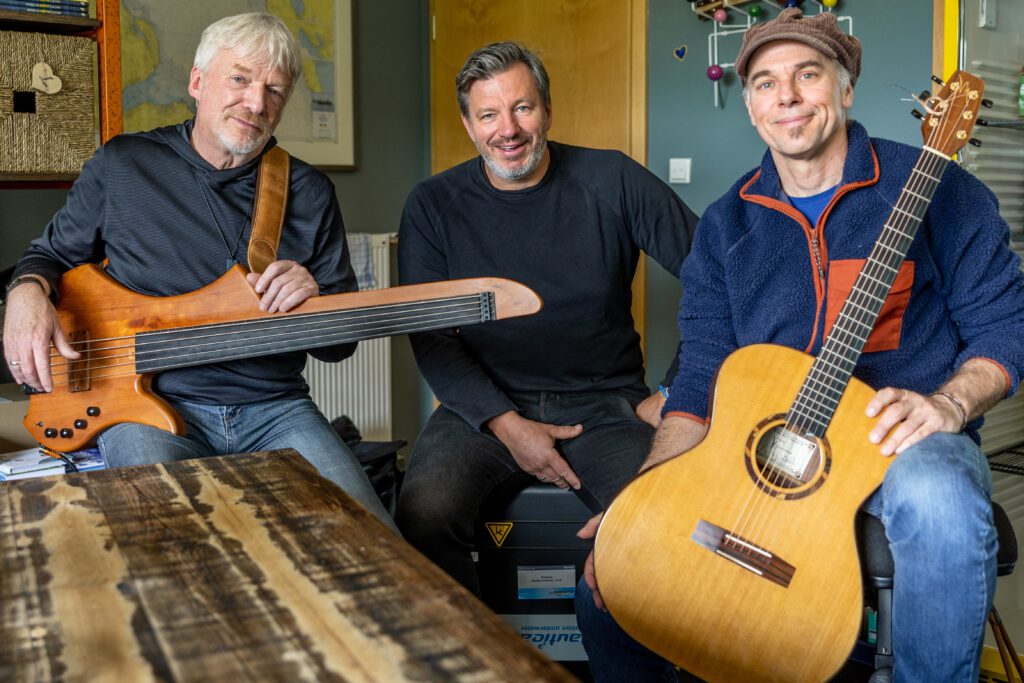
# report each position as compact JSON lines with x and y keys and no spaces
{"x":360,"y":386}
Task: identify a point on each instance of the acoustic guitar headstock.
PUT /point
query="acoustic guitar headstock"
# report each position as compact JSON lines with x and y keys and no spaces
{"x":952,"y":113}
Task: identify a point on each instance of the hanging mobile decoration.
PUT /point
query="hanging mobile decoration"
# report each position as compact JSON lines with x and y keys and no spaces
{"x":717,"y":12}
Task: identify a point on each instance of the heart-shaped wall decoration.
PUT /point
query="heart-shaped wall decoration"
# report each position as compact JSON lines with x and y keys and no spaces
{"x":44,"y":80}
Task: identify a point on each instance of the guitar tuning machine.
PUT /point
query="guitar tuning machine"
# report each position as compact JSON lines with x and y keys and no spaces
{"x":974,"y":142}
{"x":938,"y":80}
{"x":987,"y":103}
{"x":916,"y":114}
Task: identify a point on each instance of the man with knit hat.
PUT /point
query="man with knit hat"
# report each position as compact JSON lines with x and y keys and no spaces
{"x":773,"y":260}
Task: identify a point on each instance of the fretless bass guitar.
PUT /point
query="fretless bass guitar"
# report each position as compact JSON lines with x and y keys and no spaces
{"x":737,"y":560}
{"x":125,"y":338}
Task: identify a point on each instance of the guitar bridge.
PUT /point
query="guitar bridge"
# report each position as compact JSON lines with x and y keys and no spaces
{"x":487,"y":312}
{"x":742,"y":552}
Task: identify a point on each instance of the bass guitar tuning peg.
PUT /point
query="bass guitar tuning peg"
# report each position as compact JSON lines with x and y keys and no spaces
{"x":916,"y":114}
{"x":987,"y":103}
{"x":981,"y":122}
{"x":925,"y":94}
{"x":974,"y":142}
{"x":938,"y":80}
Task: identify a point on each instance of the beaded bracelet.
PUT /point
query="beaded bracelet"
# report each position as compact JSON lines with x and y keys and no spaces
{"x":959,"y":406}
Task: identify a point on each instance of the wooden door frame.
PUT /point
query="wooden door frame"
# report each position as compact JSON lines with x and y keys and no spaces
{"x":945,"y":37}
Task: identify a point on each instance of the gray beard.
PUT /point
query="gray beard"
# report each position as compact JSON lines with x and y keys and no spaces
{"x":513,"y":174}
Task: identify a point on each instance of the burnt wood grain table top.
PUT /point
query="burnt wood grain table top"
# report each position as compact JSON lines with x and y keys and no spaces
{"x":236,"y":568}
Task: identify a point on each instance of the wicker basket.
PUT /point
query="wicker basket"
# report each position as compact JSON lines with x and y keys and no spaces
{"x":59,"y":135}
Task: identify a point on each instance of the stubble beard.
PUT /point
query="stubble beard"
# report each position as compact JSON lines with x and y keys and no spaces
{"x":521,"y":171}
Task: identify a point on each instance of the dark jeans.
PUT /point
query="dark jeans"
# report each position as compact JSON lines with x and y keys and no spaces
{"x":454,"y":469}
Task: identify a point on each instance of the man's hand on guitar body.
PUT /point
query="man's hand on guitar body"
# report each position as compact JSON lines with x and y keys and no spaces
{"x":30,"y":324}
{"x":283,"y":286}
{"x":532,"y":445}
{"x":977,"y":386}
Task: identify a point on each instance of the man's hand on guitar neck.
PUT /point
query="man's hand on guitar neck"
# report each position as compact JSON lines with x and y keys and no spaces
{"x":30,"y":324}
{"x":532,"y":445}
{"x":283,"y":286}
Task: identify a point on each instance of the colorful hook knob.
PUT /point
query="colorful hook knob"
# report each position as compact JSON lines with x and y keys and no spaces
{"x":721,"y":15}
{"x":829,"y":3}
{"x":715,"y":72}
{"x":755,"y":11}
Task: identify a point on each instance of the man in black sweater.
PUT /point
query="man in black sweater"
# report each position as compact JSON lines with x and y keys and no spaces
{"x":556,"y":397}
{"x":170,"y":210}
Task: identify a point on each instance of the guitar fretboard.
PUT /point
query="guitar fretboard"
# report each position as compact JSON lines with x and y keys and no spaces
{"x":201,"y":344}
{"x":819,"y":395}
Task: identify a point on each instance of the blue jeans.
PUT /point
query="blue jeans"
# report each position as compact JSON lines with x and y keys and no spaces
{"x":935,"y":506}
{"x":261,"y":426}
{"x":455,"y":468}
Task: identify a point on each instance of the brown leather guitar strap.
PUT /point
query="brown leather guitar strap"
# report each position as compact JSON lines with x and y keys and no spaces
{"x":268,"y":209}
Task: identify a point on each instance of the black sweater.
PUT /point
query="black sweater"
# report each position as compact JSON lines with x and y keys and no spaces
{"x":575,"y":238}
{"x":169,"y":223}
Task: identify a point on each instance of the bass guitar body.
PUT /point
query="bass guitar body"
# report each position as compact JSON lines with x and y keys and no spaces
{"x":737,"y":570}
{"x":125,"y":338}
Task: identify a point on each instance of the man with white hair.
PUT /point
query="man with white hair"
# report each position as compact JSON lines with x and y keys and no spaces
{"x":171,"y":210}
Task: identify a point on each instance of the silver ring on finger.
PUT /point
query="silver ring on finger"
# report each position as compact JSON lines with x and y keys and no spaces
{"x":15,"y":363}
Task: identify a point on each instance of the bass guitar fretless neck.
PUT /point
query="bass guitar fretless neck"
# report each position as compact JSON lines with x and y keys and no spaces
{"x":125,"y":338}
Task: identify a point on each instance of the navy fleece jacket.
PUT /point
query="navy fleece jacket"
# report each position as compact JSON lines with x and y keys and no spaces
{"x":759,"y":272}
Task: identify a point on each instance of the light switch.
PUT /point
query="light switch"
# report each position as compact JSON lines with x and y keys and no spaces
{"x":679,"y":170}
{"x":987,"y":14}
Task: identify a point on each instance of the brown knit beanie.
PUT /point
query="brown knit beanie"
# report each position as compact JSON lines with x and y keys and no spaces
{"x":820,"y":32}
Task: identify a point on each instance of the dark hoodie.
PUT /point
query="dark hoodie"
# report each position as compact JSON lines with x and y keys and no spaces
{"x":169,"y":223}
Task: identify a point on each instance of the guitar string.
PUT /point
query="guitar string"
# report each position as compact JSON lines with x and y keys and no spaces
{"x":267,"y":348}
{"x":99,"y":357}
{"x":930,"y":165}
{"x":926,"y":172}
{"x":365,"y":329}
{"x":753,"y":519}
{"x":243,"y":328}
{"x":154,"y":337}
{"x":751,"y":515}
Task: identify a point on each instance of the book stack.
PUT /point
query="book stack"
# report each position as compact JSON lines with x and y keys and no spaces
{"x":65,"y":8}
{"x":31,"y":462}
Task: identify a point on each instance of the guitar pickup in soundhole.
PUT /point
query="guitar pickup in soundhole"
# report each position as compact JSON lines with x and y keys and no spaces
{"x":737,"y":549}
{"x":79,"y":378}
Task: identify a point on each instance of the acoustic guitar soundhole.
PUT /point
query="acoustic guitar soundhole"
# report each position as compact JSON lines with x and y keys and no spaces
{"x":784,"y":463}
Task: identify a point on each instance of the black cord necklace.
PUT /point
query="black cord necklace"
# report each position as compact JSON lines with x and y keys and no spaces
{"x":231,"y":250}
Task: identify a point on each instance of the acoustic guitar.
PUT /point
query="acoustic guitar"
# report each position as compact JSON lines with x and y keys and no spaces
{"x":737,"y":560}
{"x":126,"y":338}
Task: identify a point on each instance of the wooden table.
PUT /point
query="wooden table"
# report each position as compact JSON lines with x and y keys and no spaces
{"x":243,"y":567}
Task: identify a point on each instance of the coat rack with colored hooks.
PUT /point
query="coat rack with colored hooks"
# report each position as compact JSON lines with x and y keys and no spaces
{"x":736,"y":17}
